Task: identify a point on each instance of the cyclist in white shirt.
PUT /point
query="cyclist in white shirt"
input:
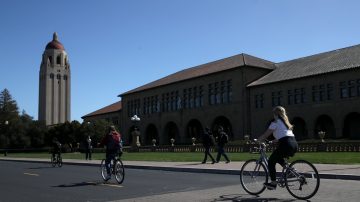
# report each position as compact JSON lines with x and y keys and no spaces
{"x":281,"y":129}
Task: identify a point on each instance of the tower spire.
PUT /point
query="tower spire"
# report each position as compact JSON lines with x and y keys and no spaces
{"x":55,"y":37}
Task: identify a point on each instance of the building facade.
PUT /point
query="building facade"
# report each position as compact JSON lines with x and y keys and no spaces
{"x":54,"y":84}
{"x":320,"y":92}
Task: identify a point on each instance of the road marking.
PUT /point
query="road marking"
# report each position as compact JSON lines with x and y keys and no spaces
{"x":32,"y":174}
{"x":112,"y":185}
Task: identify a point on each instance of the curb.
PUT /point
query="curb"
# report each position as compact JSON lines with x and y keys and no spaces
{"x":331,"y":176}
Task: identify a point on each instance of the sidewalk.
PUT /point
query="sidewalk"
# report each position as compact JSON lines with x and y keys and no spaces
{"x":326,"y":171}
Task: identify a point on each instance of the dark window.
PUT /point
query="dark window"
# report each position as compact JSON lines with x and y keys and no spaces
{"x":58,"y":60}
{"x":51,"y":76}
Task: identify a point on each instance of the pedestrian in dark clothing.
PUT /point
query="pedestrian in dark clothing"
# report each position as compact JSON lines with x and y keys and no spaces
{"x":222,"y":140}
{"x":207,"y":143}
{"x":88,"y":149}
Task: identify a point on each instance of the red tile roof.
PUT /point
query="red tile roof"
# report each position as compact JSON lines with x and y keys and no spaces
{"x":209,"y":68}
{"x":108,"y":109}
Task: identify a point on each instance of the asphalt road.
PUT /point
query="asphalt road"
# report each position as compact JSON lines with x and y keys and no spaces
{"x":40,"y":182}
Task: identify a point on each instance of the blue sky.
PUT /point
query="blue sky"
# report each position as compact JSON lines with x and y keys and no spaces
{"x":117,"y":45}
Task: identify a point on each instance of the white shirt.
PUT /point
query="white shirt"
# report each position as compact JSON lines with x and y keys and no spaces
{"x":280,"y":129}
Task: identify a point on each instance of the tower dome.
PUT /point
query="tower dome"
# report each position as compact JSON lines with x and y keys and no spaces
{"x":54,"y":44}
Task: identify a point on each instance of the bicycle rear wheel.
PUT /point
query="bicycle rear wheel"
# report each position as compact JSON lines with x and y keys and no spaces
{"x":103,"y":169}
{"x":119,"y":171}
{"x":253,"y":175}
{"x":53,"y":161}
{"x":302,"y":180}
{"x":59,"y":161}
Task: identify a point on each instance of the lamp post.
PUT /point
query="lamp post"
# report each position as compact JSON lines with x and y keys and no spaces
{"x":136,"y":133}
{"x":6,"y":123}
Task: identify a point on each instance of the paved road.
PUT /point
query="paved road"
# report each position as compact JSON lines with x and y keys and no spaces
{"x":39,"y":182}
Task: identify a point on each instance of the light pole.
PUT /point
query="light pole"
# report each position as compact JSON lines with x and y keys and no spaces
{"x":6,"y":123}
{"x":136,"y":133}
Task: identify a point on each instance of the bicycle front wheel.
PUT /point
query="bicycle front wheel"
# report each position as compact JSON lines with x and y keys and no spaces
{"x":103,"y":169}
{"x":119,"y":171}
{"x":253,"y":175}
{"x":302,"y":180}
{"x":53,"y":161}
{"x":59,"y":161}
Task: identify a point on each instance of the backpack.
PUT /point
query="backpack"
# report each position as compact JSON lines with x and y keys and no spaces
{"x":113,"y":142}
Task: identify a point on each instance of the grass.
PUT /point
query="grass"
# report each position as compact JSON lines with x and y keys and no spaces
{"x":314,"y":157}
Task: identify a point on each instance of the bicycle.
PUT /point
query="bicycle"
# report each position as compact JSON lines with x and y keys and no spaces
{"x":300,"y":177}
{"x":116,"y":168}
{"x":56,"y":160}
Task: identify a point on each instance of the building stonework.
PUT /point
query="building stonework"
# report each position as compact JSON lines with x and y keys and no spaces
{"x":320,"y":92}
{"x":54,"y":84}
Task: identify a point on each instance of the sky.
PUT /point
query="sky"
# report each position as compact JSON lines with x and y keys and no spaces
{"x":114,"y":46}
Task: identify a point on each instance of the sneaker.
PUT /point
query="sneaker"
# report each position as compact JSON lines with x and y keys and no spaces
{"x":228,"y":161}
{"x":108,"y":177}
{"x":203,"y":162}
{"x":270,"y":186}
{"x":213,"y":162}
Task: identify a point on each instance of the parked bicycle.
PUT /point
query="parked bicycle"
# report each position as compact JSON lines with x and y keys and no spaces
{"x":300,"y":177}
{"x":116,"y":168}
{"x":56,"y":160}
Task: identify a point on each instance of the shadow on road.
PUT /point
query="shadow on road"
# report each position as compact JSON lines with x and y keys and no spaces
{"x":41,"y":167}
{"x":247,"y":198}
{"x":81,"y":184}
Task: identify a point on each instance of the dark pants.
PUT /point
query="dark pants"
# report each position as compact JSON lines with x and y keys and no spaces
{"x":287,"y":147}
{"x":221,"y":151}
{"x":207,"y":153}
{"x":110,"y":156}
{"x":88,"y":154}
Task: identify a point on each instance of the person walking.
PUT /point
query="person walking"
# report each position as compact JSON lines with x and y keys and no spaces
{"x":207,"y":143}
{"x":88,"y":149}
{"x":222,"y":140}
{"x":281,"y":129}
{"x":112,"y":141}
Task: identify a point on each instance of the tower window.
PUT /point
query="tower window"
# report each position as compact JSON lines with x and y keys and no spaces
{"x":58,"y":76}
{"x":65,"y":77}
{"x":58,"y":60}
{"x":50,"y":59}
{"x":51,"y":76}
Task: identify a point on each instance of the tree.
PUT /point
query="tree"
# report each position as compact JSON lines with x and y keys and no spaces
{"x":8,"y":107}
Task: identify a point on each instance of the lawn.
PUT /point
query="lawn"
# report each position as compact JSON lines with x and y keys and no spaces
{"x":314,"y":157}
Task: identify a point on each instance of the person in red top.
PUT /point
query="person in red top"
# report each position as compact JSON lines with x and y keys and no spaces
{"x":112,"y":141}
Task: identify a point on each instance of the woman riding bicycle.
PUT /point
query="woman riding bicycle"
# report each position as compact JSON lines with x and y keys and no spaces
{"x":112,"y":141}
{"x":281,"y":129}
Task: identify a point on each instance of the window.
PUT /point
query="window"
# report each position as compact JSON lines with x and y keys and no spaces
{"x":290,"y":97}
{"x":276,"y":98}
{"x":51,"y":76}
{"x":343,"y":90}
{"x":58,"y":60}
{"x":58,"y":76}
{"x":65,"y":77}
{"x":352,"y":89}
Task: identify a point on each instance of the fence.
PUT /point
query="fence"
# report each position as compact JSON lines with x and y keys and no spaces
{"x":303,"y":147}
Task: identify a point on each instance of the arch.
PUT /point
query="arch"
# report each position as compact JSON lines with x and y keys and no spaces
{"x":225,"y":123}
{"x":58,"y":60}
{"x":151,"y":133}
{"x":171,"y":131}
{"x":194,"y":129}
{"x":326,"y":124}
{"x":300,"y":129}
{"x":352,"y":126}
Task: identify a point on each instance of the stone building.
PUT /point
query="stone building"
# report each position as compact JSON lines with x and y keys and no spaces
{"x":54,"y":84}
{"x":110,"y":113}
{"x":321,"y":93}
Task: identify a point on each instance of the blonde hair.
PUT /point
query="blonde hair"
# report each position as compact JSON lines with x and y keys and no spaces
{"x":280,"y":112}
